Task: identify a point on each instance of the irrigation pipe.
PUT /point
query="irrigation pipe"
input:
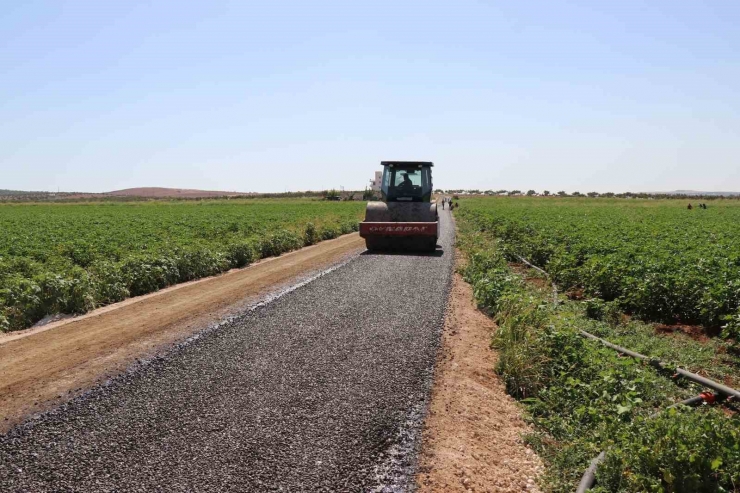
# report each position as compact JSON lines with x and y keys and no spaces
{"x":716,"y":386}
{"x":554,"y":287}
{"x":589,"y":477}
{"x":695,"y":401}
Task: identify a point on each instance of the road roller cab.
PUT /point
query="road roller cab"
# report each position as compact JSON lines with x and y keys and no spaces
{"x":405,"y":220}
{"x":405,"y":181}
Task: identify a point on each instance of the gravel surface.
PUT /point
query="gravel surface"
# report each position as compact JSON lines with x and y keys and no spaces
{"x":323,"y":389}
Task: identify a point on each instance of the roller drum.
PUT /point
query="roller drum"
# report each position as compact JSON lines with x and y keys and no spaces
{"x":401,"y":243}
{"x":401,"y":212}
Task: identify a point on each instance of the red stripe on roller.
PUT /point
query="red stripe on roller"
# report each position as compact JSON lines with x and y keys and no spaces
{"x":397,"y":229}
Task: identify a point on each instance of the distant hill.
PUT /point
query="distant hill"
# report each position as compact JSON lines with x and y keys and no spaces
{"x":127,"y":194}
{"x":160,"y":192}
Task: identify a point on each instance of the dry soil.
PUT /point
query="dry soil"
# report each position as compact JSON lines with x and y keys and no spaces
{"x":472,"y":435}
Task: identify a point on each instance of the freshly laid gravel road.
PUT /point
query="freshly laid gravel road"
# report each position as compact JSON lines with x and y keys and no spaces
{"x":323,"y":389}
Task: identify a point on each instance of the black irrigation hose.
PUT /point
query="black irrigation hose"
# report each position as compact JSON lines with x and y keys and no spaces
{"x":589,"y":477}
{"x":691,"y":401}
{"x":554,"y":286}
{"x":716,"y":386}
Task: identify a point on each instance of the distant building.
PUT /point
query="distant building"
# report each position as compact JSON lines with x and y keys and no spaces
{"x":375,"y":183}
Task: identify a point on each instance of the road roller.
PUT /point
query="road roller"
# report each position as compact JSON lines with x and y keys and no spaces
{"x":406,"y":219}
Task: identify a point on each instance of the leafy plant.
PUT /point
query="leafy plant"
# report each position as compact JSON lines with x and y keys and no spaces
{"x":649,"y":257}
{"x":731,"y":329}
{"x":69,"y":258}
{"x":583,"y":398}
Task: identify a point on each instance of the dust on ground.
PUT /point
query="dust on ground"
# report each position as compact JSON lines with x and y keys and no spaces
{"x":472,"y":438}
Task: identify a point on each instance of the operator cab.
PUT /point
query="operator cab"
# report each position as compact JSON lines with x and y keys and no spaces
{"x":407,"y":181}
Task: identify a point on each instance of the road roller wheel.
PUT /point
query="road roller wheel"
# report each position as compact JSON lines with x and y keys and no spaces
{"x":401,"y":244}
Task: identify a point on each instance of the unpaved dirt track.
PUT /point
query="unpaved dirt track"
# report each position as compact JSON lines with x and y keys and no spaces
{"x":321,"y":390}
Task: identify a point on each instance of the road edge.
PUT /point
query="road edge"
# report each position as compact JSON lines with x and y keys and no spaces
{"x":472,"y":434}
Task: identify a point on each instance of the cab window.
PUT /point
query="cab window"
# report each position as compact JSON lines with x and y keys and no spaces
{"x":400,"y":178}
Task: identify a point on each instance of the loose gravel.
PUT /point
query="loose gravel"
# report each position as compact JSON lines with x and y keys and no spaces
{"x":323,"y":389}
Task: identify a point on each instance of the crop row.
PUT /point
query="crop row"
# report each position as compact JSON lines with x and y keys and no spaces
{"x":72,"y":258}
{"x":654,"y":259}
{"x":583,"y":398}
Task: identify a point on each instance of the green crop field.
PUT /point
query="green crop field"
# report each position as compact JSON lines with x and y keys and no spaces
{"x":620,"y":266}
{"x":655,"y":259}
{"x":70,"y":258}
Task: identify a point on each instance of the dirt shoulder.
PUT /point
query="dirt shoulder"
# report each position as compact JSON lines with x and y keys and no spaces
{"x":39,"y":368}
{"x":472,"y":434}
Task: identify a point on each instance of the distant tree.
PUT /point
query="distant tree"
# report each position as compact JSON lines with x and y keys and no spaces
{"x":562,"y":193}
{"x":577,"y":194}
{"x":515,"y":192}
{"x":593,"y":194}
{"x":546,"y":193}
{"x":609,"y":194}
{"x":439,"y":190}
{"x":501,"y":192}
{"x":531,"y":193}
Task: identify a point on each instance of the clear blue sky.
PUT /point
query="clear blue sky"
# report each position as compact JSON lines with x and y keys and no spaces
{"x":276,"y":95}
